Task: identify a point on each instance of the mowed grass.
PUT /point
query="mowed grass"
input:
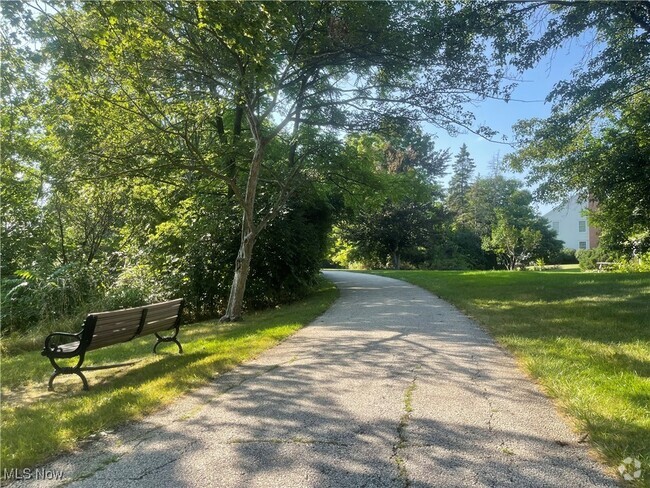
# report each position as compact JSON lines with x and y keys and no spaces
{"x":37,"y":424}
{"x":584,"y":336}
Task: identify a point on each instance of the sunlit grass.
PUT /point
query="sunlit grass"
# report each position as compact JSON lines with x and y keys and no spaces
{"x":37,"y":424}
{"x":585,"y":337}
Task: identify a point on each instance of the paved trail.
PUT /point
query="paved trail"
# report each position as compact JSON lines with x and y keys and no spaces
{"x":390,"y":387}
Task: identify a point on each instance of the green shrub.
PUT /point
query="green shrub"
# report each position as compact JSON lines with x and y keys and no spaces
{"x":588,"y":258}
{"x":637,"y":264}
{"x":289,"y":253}
{"x":34,"y":296}
{"x":565,"y":256}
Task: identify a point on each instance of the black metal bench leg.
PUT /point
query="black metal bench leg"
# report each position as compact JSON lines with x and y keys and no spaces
{"x":168,"y":339}
{"x":50,"y":385}
{"x":83,"y":378}
{"x":59,"y":370}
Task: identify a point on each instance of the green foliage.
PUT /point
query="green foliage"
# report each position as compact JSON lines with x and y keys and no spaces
{"x":608,"y":75}
{"x":609,"y":163}
{"x":595,"y":141}
{"x":487,"y":197}
{"x":385,"y":235}
{"x":468,"y":252}
{"x":291,"y":252}
{"x":407,"y":149}
{"x":637,"y":264}
{"x":565,"y":256}
{"x":500,"y":214}
{"x":514,"y":246}
{"x":34,"y":298}
{"x":238,"y":95}
{"x":588,"y":258}
{"x":461,"y":180}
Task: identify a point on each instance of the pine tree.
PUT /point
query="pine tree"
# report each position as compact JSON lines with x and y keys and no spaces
{"x":463,"y":170}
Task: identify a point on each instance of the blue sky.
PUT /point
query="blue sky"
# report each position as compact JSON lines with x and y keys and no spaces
{"x":528,"y":102}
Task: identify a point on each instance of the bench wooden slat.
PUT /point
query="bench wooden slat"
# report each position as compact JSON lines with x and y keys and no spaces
{"x":125,"y":312}
{"x":161,"y":314}
{"x":107,"y":322}
{"x":176,"y":301}
{"x":116,"y":334}
{"x":108,"y":341}
{"x":171,"y":305}
{"x":69,"y":347}
{"x":133,"y":326}
{"x":158,"y":325}
{"x":160,"y":319}
{"x":133,"y":323}
{"x":164,"y":308}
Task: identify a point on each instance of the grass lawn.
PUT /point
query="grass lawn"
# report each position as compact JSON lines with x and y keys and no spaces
{"x":584,"y":336}
{"x":37,"y":424}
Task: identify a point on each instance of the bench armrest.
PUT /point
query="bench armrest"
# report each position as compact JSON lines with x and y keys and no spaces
{"x":54,"y":348}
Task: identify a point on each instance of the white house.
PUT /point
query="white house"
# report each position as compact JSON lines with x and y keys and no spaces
{"x":572,"y":226}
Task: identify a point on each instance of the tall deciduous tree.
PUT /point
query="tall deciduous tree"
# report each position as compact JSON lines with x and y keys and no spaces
{"x":391,"y":230}
{"x":498,"y":205}
{"x":513,"y":245}
{"x":21,"y":145}
{"x":197,"y":92}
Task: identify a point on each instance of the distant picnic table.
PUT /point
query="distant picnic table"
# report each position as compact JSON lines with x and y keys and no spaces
{"x":604,"y":266}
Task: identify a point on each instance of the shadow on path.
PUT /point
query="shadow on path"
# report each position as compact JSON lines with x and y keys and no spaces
{"x":390,"y":387}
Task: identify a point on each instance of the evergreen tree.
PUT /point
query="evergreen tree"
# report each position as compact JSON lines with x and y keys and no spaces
{"x":463,"y":168}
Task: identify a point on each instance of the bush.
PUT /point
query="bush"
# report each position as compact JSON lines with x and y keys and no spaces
{"x":289,"y":254}
{"x":565,"y":256}
{"x":35,"y":301}
{"x":637,"y":264}
{"x":588,"y":258}
{"x":36,"y":296}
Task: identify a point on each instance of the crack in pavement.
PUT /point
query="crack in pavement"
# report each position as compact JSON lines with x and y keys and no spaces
{"x":295,"y":440}
{"x":474,"y":378}
{"x":402,"y":441}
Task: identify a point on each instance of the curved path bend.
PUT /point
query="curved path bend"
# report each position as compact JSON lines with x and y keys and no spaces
{"x":390,"y":387}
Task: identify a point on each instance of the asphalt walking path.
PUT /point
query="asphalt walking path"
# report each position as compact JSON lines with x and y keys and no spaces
{"x":390,"y":387}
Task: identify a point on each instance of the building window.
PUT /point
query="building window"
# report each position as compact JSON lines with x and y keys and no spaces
{"x":582,"y":226}
{"x":582,"y":245}
{"x":556,"y":226}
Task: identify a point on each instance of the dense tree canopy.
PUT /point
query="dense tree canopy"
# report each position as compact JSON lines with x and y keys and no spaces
{"x":199,"y":92}
{"x":153,"y":149}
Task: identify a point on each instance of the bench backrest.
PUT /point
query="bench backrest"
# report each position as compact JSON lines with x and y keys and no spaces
{"x":162,"y":316}
{"x":106,"y":328}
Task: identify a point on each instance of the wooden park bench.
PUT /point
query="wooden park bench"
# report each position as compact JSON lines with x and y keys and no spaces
{"x":108,"y":328}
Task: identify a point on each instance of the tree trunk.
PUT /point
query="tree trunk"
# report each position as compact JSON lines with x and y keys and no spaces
{"x":238,"y":287}
{"x":248,"y":235}
{"x":396,"y":259}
